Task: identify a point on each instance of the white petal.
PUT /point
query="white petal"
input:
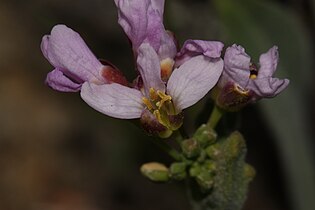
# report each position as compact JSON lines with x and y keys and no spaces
{"x":193,"y":80}
{"x":150,"y":68}
{"x":113,"y":100}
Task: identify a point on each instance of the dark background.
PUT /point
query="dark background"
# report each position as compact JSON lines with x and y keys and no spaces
{"x":57,"y":153}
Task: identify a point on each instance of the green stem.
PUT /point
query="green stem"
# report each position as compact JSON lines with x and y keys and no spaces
{"x":215,"y":117}
{"x":166,"y":148}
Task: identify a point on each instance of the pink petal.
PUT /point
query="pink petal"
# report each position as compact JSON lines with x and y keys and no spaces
{"x":113,"y":100}
{"x":193,"y":80}
{"x":236,"y":65}
{"x":149,"y":68}
{"x":66,"y":50}
{"x":58,"y":81}
{"x":268,"y":87}
{"x":191,"y":48}
{"x":268,"y":62}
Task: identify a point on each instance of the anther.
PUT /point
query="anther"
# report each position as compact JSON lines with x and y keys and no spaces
{"x":147,"y":103}
{"x":253,"y":71}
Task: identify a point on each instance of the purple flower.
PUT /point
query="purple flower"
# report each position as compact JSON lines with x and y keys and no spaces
{"x":242,"y":82}
{"x":187,"y":85}
{"x":74,"y":62}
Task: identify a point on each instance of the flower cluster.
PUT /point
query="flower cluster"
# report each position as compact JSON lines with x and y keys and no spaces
{"x":170,"y":79}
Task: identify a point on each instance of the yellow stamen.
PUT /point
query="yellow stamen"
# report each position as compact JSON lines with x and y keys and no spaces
{"x":164,"y":98}
{"x":147,"y":103}
{"x":253,"y":76}
{"x":153,"y":95}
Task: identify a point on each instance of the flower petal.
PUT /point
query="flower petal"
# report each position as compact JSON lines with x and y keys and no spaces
{"x":58,"y":81}
{"x":268,"y":62}
{"x":168,"y":48}
{"x":66,"y":50}
{"x":193,"y":80}
{"x":236,"y":65}
{"x":132,"y":16}
{"x":149,"y":68}
{"x":268,"y":87}
{"x":142,"y":21}
{"x":158,"y":5}
{"x":191,"y":48}
{"x":113,"y":100}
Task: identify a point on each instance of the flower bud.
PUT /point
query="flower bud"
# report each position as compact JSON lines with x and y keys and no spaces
{"x":249,"y":172}
{"x":205,"y":180}
{"x":205,"y":135}
{"x":214,"y":152}
{"x":190,"y":148}
{"x":156,"y":172}
{"x":195,"y":169}
{"x":178,"y":171}
{"x":236,"y":145}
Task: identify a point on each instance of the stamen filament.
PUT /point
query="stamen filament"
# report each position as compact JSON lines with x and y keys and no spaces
{"x":147,"y":103}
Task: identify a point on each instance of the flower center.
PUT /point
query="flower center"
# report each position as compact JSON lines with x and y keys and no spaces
{"x":161,"y":105}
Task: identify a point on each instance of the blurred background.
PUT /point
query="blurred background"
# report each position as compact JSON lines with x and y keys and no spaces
{"x":57,"y":153}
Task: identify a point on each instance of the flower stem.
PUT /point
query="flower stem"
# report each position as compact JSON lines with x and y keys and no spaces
{"x":215,"y":116}
{"x":166,"y":148}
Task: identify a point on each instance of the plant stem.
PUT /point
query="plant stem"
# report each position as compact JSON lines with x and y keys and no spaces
{"x":166,"y":148}
{"x":215,"y":116}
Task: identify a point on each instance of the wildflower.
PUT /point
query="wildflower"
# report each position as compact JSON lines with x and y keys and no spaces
{"x":74,"y":62}
{"x":164,"y":100}
{"x":242,"y":82}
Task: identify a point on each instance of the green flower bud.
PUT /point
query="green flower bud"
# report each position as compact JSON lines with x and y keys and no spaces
{"x":236,"y":145}
{"x":190,"y":148}
{"x":205,"y":135}
{"x":195,"y":170}
{"x":214,"y":152}
{"x":178,"y":171}
{"x":210,"y":166}
{"x":205,"y":180}
{"x":249,"y":172}
{"x":156,"y":172}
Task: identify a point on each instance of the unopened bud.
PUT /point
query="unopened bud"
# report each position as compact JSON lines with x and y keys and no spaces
{"x":205,"y":135}
{"x":178,"y":171}
{"x":249,"y":172}
{"x":195,"y":169}
{"x":156,"y":172}
{"x":205,"y":180}
{"x":236,"y":145}
{"x":190,"y":148}
{"x":214,"y":151}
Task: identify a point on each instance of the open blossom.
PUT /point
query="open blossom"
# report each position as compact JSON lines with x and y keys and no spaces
{"x":74,"y":62}
{"x":242,"y":82}
{"x":164,"y":100}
